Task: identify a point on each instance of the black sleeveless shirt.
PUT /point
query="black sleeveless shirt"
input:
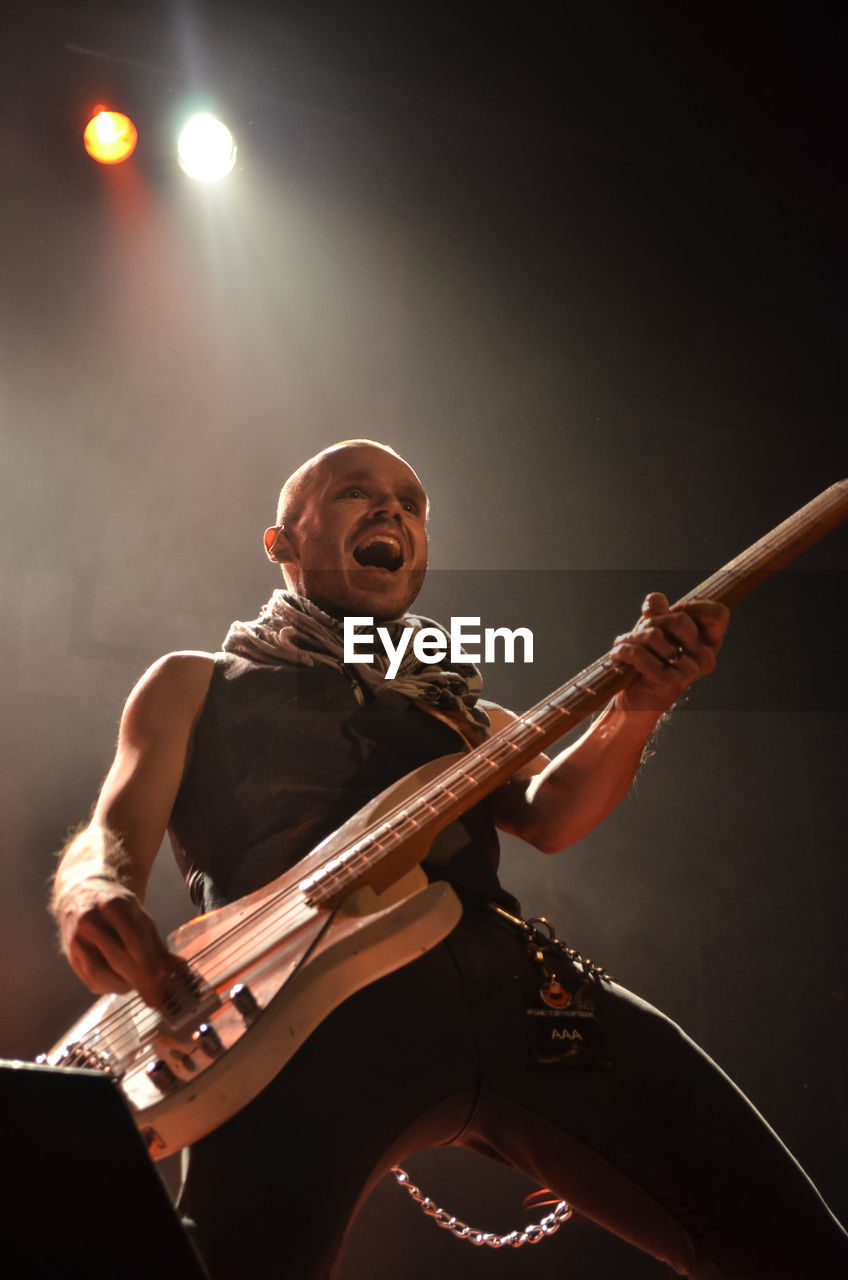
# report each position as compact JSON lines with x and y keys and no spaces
{"x":282,"y":756}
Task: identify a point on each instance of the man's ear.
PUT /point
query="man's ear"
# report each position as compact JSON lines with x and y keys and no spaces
{"x":277,"y":545}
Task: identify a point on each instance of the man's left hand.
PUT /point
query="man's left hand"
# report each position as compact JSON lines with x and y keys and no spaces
{"x":669,"y":648}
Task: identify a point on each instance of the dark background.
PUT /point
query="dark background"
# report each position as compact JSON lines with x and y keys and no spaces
{"x":582,"y":264}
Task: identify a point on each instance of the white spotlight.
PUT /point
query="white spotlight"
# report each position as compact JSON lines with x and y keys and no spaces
{"x":206,"y":148}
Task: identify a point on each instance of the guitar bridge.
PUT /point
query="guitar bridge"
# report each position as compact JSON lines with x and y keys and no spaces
{"x":90,"y":1056}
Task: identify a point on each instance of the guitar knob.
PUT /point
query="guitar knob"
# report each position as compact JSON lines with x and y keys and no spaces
{"x":245,"y":1001}
{"x":207,"y":1039}
{"x":160,"y":1074}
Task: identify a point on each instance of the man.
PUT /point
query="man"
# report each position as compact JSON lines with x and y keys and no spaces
{"x":255,"y":754}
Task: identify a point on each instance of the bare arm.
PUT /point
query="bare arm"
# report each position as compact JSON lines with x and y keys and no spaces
{"x":110,"y":940}
{"x":554,"y":803}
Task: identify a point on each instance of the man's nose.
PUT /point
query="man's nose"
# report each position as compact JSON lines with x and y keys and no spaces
{"x":388,"y":504}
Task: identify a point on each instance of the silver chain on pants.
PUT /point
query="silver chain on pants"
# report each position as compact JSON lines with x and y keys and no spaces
{"x":513,"y":1239}
{"x":539,"y":935}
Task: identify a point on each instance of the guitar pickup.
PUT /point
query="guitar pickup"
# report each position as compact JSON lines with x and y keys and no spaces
{"x":186,"y":998}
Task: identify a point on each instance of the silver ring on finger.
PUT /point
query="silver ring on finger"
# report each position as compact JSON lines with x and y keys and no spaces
{"x":679,"y":651}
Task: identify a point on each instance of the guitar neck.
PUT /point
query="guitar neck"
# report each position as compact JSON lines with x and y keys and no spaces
{"x":381,"y":853}
{"x":600,"y":681}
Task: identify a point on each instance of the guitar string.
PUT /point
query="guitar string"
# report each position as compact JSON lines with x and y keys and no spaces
{"x":223,"y":947}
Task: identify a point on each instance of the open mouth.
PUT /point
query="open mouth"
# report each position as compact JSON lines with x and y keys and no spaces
{"x":379,"y":551}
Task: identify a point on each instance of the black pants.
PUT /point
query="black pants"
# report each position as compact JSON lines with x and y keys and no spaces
{"x":659,"y":1146}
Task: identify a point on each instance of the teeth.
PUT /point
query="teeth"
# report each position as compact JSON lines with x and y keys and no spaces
{"x":381,"y":537}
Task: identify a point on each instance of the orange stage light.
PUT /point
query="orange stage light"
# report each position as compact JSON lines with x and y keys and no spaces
{"x":110,"y":137}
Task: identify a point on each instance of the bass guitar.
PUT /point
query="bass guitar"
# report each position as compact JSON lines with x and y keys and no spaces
{"x":263,"y":972}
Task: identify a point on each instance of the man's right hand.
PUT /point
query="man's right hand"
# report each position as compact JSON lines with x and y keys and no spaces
{"x":110,"y":941}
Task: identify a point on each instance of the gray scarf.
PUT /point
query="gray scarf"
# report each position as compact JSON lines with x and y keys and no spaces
{"x":291,"y":629}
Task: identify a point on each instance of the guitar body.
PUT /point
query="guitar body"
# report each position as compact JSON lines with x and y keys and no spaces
{"x":187,"y":1068}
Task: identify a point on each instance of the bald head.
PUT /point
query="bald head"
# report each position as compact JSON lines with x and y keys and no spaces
{"x":299,"y":485}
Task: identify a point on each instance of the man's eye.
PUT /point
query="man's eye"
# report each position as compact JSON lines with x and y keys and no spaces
{"x":353,"y":492}
{"x":411,"y":507}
